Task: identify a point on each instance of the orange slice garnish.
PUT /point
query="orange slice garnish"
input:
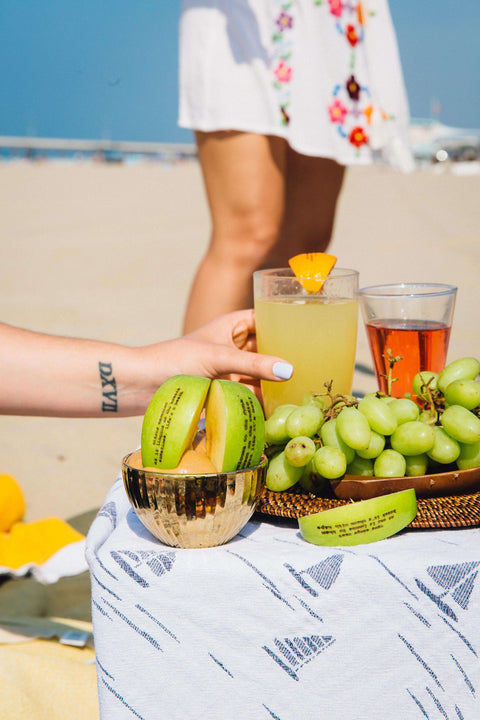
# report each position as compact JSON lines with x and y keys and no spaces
{"x":310,"y":267}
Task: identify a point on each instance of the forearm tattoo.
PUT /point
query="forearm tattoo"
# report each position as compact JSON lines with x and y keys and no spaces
{"x":109,"y":388}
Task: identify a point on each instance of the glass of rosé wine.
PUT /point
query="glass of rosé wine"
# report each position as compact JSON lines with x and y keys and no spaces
{"x":411,"y":321}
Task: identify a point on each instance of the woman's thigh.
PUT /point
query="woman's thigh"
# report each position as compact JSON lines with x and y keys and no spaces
{"x":312,"y":189}
{"x":244,"y":177}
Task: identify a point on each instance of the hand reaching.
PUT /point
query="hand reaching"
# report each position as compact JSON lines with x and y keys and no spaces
{"x":226,"y":347}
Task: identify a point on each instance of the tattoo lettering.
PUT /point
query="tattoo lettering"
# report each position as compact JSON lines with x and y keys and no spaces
{"x":109,"y":387}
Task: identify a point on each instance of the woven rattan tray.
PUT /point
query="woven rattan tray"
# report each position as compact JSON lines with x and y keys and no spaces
{"x":449,"y":511}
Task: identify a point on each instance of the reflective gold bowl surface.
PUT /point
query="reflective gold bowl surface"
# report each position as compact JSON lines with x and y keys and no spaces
{"x":194,"y":511}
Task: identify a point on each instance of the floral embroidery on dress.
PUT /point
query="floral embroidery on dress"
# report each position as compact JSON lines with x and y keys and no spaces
{"x":351,"y":108}
{"x":282,"y":54}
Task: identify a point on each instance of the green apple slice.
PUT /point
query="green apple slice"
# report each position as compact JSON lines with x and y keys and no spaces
{"x":360,"y":522}
{"x":234,"y":425}
{"x":171,"y":420}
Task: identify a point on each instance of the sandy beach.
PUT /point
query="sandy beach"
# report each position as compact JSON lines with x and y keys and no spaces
{"x":108,"y":251}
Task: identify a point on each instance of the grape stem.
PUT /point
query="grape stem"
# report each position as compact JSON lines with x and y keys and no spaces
{"x":337,"y":402}
{"x":434,"y":401}
{"x":391,"y":359}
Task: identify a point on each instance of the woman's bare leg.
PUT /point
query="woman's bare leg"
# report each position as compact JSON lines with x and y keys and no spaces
{"x":312,"y":189}
{"x":267,"y":203}
{"x":244,"y":181}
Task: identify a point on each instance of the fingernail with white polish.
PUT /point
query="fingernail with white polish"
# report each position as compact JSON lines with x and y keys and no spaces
{"x":283,"y":370}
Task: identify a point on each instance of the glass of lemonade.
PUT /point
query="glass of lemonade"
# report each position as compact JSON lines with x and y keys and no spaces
{"x":315,"y":332}
{"x":412,"y":321}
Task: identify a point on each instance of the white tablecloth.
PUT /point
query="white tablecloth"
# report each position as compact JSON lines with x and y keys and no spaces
{"x":270,"y":626}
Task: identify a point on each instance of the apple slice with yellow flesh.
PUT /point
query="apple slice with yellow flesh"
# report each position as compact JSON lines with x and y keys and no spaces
{"x":194,"y":461}
{"x":360,"y":522}
{"x":234,"y":426}
{"x":171,"y":420}
{"x":312,"y":269}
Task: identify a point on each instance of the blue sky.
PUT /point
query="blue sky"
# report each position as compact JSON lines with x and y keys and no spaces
{"x":108,"y":68}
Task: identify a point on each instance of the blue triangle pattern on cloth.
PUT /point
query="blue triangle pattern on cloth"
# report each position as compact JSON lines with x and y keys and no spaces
{"x":447,"y":576}
{"x":293,"y":653}
{"x":109,"y":510}
{"x":462,"y":592}
{"x":457,"y":581}
{"x":160,"y":563}
{"x":135,"y":564}
{"x":326,"y":572}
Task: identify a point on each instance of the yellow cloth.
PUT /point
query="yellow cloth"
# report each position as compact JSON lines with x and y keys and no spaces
{"x":35,"y":542}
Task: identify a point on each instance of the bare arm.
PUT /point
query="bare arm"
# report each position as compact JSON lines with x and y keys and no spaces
{"x":70,"y":377}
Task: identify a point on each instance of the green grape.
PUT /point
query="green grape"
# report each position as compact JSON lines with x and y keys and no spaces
{"x":275,"y":432}
{"x":299,"y":451}
{"x":469,"y":456}
{"x":284,"y":409}
{"x":463,"y":392}
{"x":379,"y":415}
{"x":416,"y":465}
{"x":330,"y":462}
{"x":413,"y":438}
{"x":375,"y":446}
{"x":404,"y":410}
{"x":389,"y":463}
{"x":429,"y":417}
{"x":384,"y":398}
{"x":445,"y":449}
{"x":461,"y":424}
{"x":305,"y":420}
{"x":421,"y":381}
{"x":330,"y":437}
{"x":360,"y":466}
{"x":280,"y":474}
{"x":353,"y":428}
{"x":322,"y":400}
{"x":310,"y":480}
{"x":463,"y":369}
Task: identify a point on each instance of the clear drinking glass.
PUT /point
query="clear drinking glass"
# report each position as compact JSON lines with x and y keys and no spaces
{"x":315,"y":332}
{"x":411,"y":321}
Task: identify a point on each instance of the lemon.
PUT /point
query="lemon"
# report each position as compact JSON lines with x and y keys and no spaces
{"x":12,"y":502}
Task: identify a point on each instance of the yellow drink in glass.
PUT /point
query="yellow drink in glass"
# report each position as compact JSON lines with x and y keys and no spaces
{"x":317,"y":333}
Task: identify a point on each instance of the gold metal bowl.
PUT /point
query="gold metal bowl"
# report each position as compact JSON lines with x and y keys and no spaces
{"x":194,"y":511}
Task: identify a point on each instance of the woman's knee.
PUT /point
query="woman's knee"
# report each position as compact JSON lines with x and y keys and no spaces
{"x":248,"y":237}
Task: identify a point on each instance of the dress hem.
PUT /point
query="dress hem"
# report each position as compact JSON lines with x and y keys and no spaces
{"x":299,"y":148}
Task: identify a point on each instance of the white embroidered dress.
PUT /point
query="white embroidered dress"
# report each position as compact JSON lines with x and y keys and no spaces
{"x":324,"y":74}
